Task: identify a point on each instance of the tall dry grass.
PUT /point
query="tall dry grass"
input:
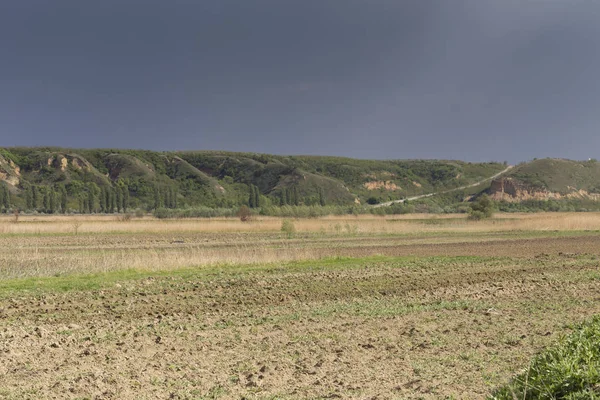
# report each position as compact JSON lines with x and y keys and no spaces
{"x":104,"y":244}
{"x":413,"y":223}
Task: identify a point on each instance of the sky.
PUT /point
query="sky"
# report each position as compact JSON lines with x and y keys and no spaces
{"x":476,"y":80}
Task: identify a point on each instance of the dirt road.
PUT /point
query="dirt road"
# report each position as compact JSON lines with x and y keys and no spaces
{"x":422,"y":196}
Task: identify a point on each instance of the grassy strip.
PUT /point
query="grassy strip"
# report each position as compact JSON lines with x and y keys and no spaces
{"x":568,"y":370}
{"x":87,"y":282}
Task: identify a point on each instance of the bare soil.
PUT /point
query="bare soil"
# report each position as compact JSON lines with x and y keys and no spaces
{"x":375,"y":328}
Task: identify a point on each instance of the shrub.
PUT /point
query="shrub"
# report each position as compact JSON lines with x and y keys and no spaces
{"x":287,"y":227}
{"x":124,"y":217}
{"x":244,"y":214}
{"x":482,"y":208}
{"x":372,"y":200}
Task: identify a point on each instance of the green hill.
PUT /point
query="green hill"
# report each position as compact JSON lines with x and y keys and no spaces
{"x":559,"y":175}
{"x":103,"y":180}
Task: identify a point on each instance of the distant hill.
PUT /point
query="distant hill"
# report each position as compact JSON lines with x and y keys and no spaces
{"x":49,"y":178}
{"x":549,"y":179}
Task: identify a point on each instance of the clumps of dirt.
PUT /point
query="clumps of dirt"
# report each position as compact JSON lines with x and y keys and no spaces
{"x":418,"y":328}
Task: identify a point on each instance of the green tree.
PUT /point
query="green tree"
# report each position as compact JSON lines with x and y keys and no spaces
{"x":46,"y":200}
{"x":52,"y":201}
{"x":322,"y":200}
{"x":28,"y":198}
{"x":157,"y":199}
{"x":256,"y":197}
{"x":91,"y":200}
{"x":174,"y":197}
{"x":102,"y":199}
{"x":482,"y":208}
{"x":119,"y":195}
{"x":252,"y":197}
{"x":63,"y":199}
{"x":107,"y":200}
{"x":113,"y":201}
{"x":167,"y":197}
{"x":34,"y":197}
{"x":284,"y":197}
{"x":81,"y":201}
{"x":125,"y":198}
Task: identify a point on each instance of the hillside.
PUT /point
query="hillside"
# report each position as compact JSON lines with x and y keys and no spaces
{"x":106,"y":180}
{"x":549,"y":179}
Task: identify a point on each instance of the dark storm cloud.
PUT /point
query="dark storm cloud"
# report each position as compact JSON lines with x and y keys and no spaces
{"x":469,"y":79}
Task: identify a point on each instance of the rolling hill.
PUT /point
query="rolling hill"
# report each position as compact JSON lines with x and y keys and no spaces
{"x":107,"y":180}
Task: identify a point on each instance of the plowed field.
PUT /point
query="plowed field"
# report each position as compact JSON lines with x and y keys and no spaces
{"x":351,"y":317}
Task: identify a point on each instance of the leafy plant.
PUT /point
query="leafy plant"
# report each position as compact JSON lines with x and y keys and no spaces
{"x":287,"y":227}
{"x":482,"y":208}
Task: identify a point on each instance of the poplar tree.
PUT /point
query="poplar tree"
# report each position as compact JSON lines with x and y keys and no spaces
{"x":113,"y":201}
{"x":46,"y":201}
{"x":322,"y":201}
{"x":28,"y":198}
{"x":81,"y":203}
{"x":102,"y":199}
{"x":156,"y":198}
{"x":119,"y":195}
{"x":252,"y":197}
{"x":125,"y":198}
{"x":256,"y":196}
{"x":52,"y":201}
{"x":167,"y":197}
{"x":34,"y":197}
{"x":63,"y":199}
{"x":107,"y":200}
{"x":174,"y":197}
{"x":90,"y":200}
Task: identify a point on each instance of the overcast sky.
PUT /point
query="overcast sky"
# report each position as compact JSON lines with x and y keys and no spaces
{"x":454,"y":79}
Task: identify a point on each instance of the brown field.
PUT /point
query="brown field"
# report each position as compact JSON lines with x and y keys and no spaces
{"x":356,"y":307}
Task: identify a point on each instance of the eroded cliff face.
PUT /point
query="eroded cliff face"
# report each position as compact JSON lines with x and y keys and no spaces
{"x":61,"y":161}
{"x":511,"y":190}
{"x":9,"y":172}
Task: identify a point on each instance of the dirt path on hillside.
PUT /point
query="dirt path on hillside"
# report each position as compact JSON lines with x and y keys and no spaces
{"x":422,"y":196}
{"x":376,"y":330}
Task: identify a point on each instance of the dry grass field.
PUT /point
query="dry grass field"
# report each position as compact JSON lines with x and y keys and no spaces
{"x":360,"y":307}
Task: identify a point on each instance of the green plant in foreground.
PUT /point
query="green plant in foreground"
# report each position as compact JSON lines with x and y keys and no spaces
{"x":568,"y":370}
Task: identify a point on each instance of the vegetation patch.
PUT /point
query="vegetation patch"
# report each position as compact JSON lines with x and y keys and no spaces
{"x":568,"y":370}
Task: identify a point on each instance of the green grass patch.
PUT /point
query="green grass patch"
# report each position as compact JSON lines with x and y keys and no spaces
{"x":568,"y":370}
{"x":90,"y":282}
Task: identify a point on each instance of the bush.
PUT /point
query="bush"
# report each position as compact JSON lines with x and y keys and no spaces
{"x":287,"y":227}
{"x":373,"y":200}
{"x":476,"y":215}
{"x":244,"y":214}
{"x":482,"y":208}
{"x":124,"y":217}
